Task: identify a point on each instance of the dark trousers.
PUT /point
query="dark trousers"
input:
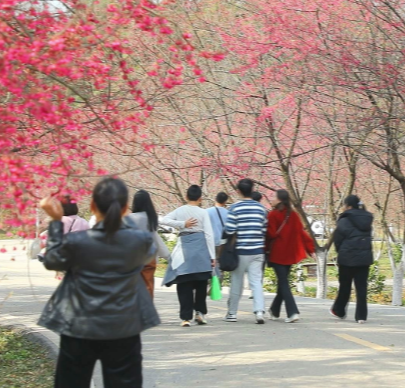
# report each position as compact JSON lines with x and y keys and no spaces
{"x":346,"y":277}
{"x":284,"y":293}
{"x":192,"y":296}
{"x":121,"y":361}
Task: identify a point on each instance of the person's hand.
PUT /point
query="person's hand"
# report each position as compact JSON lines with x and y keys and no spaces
{"x":212,"y":263}
{"x":191,"y":222}
{"x":313,"y":255}
{"x":52,"y":207}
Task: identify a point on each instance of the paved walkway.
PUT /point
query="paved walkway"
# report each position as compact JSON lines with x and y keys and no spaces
{"x":317,"y":352}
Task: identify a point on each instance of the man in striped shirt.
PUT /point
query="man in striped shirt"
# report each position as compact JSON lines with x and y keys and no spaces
{"x":248,"y":219}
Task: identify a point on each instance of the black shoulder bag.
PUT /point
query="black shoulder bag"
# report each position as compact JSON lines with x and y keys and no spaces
{"x":228,"y":259}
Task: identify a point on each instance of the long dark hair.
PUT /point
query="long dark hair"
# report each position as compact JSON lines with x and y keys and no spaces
{"x":354,"y":201}
{"x":110,"y":196}
{"x":69,"y":206}
{"x":143,"y":203}
{"x":285,"y":201}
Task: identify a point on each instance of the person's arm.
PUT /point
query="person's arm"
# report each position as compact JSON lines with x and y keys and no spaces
{"x":264,"y":228}
{"x":209,"y":235}
{"x":162,"y":249}
{"x":306,"y":239}
{"x":338,"y":235}
{"x":58,"y":251}
{"x":308,"y":242}
{"x":272,"y":225}
{"x":231,"y":225}
{"x":171,"y":220}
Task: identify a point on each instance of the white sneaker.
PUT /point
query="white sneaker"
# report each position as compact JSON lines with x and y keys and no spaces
{"x":259,"y":318}
{"x":293,"y":318}
{"x":185,"y":324}
{"x":273,"y":317}
{"x":200,"y":319}
{"x":230,"y":318}
{"x":331,"y":312}
{"x":361,"y":321}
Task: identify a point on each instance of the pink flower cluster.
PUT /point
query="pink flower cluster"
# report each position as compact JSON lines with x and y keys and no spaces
{"x":67,"y":84}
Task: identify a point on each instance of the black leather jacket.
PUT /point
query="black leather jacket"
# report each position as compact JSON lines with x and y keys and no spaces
{"x":352,"y":238}
{"x":102,"y":295}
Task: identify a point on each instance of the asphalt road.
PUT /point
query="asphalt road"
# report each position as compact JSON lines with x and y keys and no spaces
{"x":316,"y":352}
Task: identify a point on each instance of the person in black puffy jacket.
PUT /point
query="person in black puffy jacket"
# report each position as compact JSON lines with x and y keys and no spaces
{"x":353,"y":244}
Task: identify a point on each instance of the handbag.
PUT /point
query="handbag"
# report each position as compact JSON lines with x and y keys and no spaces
{"x":271,"y":242}
{"x":215,"y":291}
{"x":228,"y":259}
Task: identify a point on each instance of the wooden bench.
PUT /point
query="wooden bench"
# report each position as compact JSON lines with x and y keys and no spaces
{"x":311,"y":268}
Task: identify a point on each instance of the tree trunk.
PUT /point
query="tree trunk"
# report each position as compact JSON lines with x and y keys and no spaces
{"x":397,"y":286}
{"x":300,"y":280}
{"x":322,"y":281}
{"x":398,"y":280}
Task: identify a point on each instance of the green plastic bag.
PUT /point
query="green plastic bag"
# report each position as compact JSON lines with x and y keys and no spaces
{"x":215,"y":292}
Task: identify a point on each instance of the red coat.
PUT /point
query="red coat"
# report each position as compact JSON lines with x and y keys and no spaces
{"x":293,"y":243}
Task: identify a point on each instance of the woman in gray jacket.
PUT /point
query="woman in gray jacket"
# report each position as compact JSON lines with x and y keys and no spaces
{"x":145,"y":217}
{"x":102,"y":305}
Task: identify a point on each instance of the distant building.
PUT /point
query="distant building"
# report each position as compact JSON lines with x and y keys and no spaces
{"x":318,"y":227}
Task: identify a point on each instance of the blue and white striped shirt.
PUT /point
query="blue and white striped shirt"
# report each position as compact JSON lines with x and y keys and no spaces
{"x":248,"y":219}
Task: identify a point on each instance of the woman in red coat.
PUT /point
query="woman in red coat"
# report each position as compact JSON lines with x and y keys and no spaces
{"x":289,"y":245}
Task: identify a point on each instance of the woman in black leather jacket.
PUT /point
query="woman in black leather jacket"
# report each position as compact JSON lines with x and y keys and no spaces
{"x":102,"y":305}
{"x":353,"y":244}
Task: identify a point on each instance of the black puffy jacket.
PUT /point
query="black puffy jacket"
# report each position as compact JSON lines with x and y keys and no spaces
{"x":102,"y":295}
{"x":352,"y":238}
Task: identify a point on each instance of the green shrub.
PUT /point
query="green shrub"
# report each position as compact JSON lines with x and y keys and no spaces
{"x":376,"y":281}
{"x":23,"y":363}
{"x":270,"y":279}
{"x":170,"y":245}
{"x":226,"y":280}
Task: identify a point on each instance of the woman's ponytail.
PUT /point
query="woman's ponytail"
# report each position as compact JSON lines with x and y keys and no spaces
{"x":111,"y":196}
{"x":112,"y":219}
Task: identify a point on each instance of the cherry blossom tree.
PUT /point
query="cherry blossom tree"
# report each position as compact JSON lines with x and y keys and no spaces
{"x":302,"y":95}
{"x":287,"y":98}
{"x":74,"y":89}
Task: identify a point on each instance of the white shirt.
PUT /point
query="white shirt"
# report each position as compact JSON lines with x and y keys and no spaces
{"x":177,"y":219}
{"x":92,"y":221}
